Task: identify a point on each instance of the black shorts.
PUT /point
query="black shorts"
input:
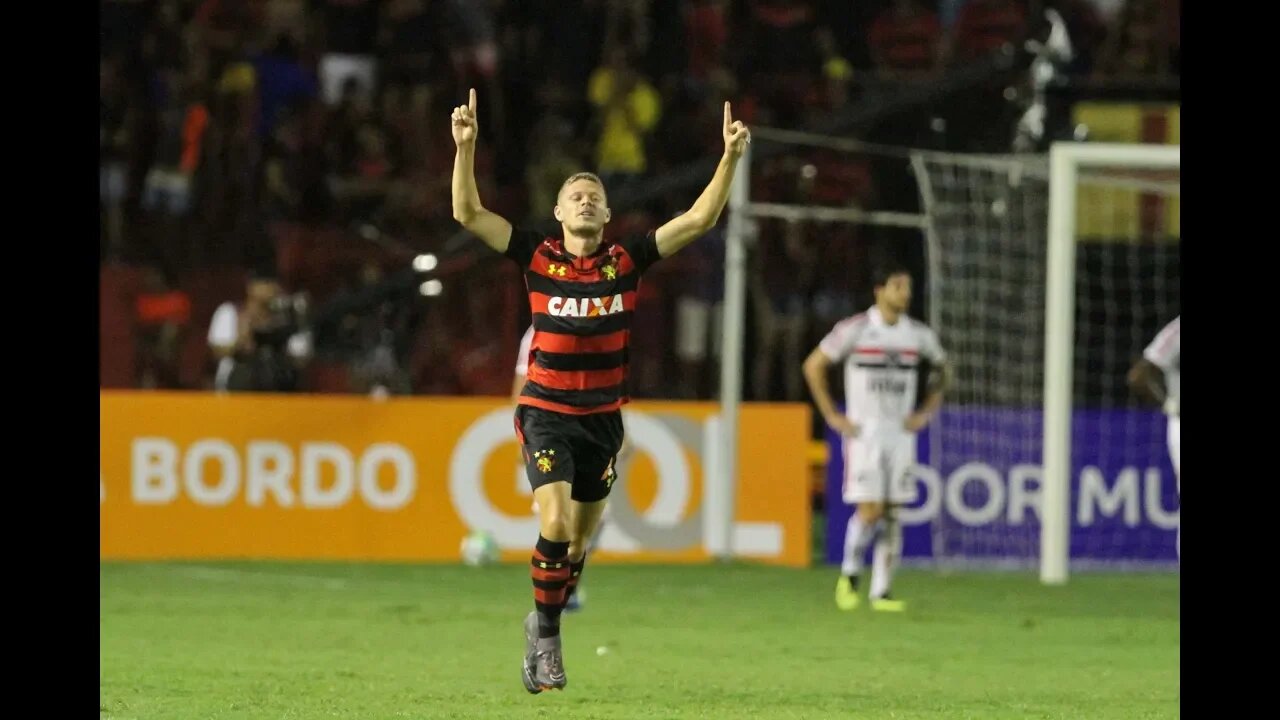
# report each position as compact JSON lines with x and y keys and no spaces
{"x":577,"y":449}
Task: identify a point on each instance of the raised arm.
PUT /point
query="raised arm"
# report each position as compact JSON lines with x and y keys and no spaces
{"x":700,"y":218}
{"x":490,"y":227}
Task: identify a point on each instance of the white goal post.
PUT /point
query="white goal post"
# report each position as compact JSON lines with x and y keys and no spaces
{"x":1066,"y":162}
{"x":721,"y":494}
{"x":1002,"y":234}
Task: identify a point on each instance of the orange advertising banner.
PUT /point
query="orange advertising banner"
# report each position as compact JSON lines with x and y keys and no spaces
{"x":192,"y":475}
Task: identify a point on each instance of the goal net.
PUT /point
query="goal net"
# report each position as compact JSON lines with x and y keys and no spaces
{"x":1041,"y":351}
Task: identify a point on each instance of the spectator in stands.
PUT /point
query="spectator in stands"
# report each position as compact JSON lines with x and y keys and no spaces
{"x":278,"y":133}
{"x":162,"y":314}
{"x":379,"y":335}
{"x":285,"y":17}
{"x":984,"y":27}
{"x":282,"y":79}
{"x":165,"y":45}
{"x":905,"y":41}
{"x":1087,"y":30}
{"x":295,"y":173}
{"x":699,"y":312}
{"x":353,"y":111}
{"x":368,"y":169}
{"x":350,"y":35}
{"x":406,"y":42}
{"x":474,"y":49}
{"x":1142,"y":42}
{"x":783,"y":58}
{"x":170,"y":190}
{"x":223,"y":26}
{"x":627,"y":109}
{"x":551,"y":160}
{"x":706,"y":32}
{"x":115,"y":123}
{"x":257,"y":342}
{"x":784,"y":266}
{"x":184,"y":121}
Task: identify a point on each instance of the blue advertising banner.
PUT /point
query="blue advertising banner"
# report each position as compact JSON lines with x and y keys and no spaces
{"x":978,"y":478}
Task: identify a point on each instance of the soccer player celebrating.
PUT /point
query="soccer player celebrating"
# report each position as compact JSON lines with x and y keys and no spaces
{"x":582,"y":292}
{"x":1156,"y":377}
{"x":882,"y":350}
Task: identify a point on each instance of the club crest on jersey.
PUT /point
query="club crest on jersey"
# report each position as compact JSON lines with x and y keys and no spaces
{"x":584,"y":307}
{"x":545,"y":459}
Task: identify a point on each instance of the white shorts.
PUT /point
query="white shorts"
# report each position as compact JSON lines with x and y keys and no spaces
{"x":876,"y":467}
{"x":1175,"y":435}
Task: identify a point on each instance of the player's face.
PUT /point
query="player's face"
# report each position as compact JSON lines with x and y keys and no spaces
{"x":583,"y":207}
{"x":896,"y":292}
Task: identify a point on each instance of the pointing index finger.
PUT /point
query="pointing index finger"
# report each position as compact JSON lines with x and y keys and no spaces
{"x":471,"y":101}
{"x":728,"y":116}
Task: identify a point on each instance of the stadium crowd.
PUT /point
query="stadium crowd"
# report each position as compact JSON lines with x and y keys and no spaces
{"x":269,"y":169}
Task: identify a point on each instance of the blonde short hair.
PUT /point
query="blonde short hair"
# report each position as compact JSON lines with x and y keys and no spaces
{"x":580,"y":176}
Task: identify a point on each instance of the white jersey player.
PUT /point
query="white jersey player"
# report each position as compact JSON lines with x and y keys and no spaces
{"x":882,"y":350}
{"x":1157,"y":377}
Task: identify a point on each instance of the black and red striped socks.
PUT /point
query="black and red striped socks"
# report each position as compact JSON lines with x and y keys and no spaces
{"x":550,"y":572}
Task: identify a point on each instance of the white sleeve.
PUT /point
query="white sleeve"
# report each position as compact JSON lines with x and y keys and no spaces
{"x":930,"y":346}
{"x":839,"y":343}
{"x":522,"y":359}
{"x":1163,"y":352}
{"x":223,"y":328}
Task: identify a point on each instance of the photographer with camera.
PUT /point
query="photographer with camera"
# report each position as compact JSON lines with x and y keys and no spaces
{"x":259,"y":343}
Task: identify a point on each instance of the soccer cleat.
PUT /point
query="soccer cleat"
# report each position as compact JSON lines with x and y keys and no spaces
{"x":846,"y":594}
{"x":529,"y":669}
{"x":575,"y":601}
{"x":887,"y":604}
{"x":549,"y":665}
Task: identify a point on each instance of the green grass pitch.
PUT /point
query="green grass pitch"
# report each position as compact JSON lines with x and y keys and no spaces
{"x":276,"y":641}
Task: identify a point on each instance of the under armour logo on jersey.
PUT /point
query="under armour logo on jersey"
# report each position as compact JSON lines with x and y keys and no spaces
{"x":609,"y":271}
{"x":558,"y":270}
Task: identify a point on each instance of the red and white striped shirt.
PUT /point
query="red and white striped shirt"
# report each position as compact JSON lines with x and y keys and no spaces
{"x":880,"y":362}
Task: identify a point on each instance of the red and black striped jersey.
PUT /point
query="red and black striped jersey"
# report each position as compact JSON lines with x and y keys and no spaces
{"x":582,"y":308}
